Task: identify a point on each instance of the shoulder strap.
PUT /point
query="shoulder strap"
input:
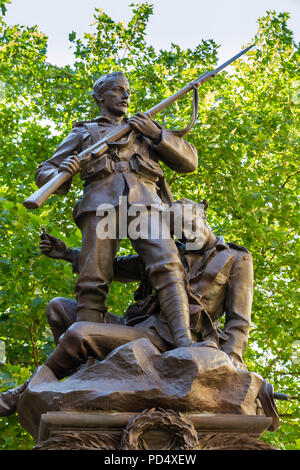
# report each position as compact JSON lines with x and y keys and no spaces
{"x":91,"y":127}
{"x":217,"y":268}
{"x":237,"y":247}
{"x":93,"y":130}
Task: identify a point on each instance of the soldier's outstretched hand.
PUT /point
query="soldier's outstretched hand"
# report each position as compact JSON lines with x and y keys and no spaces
{"x":144,"y":124}
{"x":53,"y":247}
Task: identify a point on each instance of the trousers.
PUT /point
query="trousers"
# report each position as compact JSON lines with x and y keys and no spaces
{"x":78,"y":341}
{"x":160,"y":256}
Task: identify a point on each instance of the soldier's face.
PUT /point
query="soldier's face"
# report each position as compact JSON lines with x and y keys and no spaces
{"x":199,"y":237}
{"x":196,"y":231}
{"x":188,"y":223}
{"x":115,"y":96}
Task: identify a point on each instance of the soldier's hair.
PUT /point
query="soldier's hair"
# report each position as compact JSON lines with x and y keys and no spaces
{"x":101,"y":82}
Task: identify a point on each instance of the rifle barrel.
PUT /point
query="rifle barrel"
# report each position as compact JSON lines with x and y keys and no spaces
{"x":228,"y":62}
{"x":202,"y":79}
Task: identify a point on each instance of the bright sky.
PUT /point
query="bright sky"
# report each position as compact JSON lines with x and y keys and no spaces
{"x":231,"y":23}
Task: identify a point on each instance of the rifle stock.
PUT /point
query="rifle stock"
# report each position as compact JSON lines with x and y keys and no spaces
{"x":100,"y":147}
{"x":45,"y":191}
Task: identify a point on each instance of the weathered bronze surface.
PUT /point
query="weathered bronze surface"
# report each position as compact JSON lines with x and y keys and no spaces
{"x":218,"y":281}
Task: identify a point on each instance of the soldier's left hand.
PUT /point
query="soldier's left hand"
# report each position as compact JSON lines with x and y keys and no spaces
{"x":144,"y":124}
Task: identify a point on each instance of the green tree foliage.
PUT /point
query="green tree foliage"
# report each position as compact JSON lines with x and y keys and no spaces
{"x":247,"y":139}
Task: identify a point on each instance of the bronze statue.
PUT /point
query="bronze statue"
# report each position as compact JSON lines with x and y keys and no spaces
{"x":219,"y":280}
{"x":100,"y":147}
{"x":129,"y":169}
{"x":170,"y":338}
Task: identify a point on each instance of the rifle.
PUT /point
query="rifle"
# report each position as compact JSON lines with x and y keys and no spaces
{"x":100,"y":148}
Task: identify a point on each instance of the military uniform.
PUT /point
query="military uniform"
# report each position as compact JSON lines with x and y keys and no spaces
{"x":130,"y":168}
{"x":219,"y":282}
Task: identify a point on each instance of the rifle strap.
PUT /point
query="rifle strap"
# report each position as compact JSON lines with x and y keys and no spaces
{"x":182,"y":132}
{"x":93,"y":130}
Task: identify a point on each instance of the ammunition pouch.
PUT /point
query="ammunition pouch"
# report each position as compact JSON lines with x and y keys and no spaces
{"x":103,"y":167}
{"x":97,"y":169}
{"x":148,"y":169}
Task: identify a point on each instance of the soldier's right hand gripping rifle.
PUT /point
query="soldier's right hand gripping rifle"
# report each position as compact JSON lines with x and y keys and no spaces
{"x":74,"y":164}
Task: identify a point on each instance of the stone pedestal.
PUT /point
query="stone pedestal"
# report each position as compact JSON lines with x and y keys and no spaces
{"x":150,"y":430}
{"x":140,"y":398}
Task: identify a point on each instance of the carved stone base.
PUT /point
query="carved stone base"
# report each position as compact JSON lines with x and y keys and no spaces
{"x":151,"y":430}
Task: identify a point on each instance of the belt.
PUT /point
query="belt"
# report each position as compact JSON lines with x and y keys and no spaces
{"x":122,"y":166}
{"x":106,"y":166}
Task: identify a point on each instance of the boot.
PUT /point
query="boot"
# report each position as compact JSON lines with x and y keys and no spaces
{"x":174,"y":307}
{"x":9,"y":400}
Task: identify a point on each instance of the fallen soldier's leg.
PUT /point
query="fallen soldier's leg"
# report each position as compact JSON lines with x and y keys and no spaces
{"x":9,"y":400}
{"x":84,"y":339}
{"x":61,"y":314}
{"x":81,"y":340}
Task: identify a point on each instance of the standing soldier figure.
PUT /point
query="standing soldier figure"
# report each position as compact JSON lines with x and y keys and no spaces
{"x":129,"y":169}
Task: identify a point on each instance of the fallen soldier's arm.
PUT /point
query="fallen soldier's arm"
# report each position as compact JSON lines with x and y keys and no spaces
{"x":238,"y":303}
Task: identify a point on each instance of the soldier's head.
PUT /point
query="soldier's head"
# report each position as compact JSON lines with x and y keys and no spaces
{"x":111,"y":93}
{"x":189,"y":221}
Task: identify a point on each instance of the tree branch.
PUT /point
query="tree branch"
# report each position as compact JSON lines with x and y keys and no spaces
{"x":280,"y":372}
{"x":33,"y":345}
{"x":174,"y":177}
{"x":289,"y":177}
{"x":287,"y":415}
